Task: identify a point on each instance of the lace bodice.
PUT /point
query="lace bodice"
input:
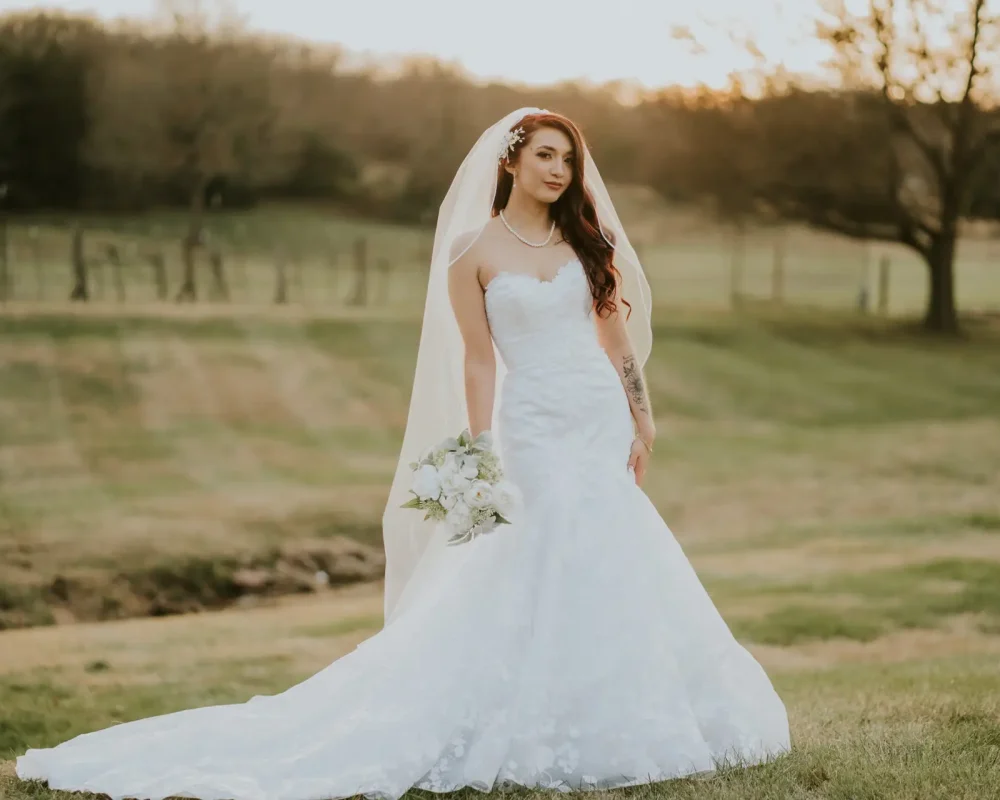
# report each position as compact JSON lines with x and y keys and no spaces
{"x":546,"y":323}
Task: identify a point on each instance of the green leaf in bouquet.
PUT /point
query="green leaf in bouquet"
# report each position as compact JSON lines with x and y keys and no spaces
{"x":413,"y":502}
{"x":502,"y":520}
{"x":484,"y":441}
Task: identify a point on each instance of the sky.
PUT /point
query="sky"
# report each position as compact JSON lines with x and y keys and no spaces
{"x":536,"y":41}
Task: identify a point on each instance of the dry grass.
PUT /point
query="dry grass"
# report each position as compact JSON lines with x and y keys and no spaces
{"x":835,"y":484}
{"x":790,"y":446}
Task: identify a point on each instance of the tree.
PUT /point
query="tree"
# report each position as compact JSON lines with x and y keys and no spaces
{"x":896,"y":154}
{"x":190,"y":105}
{"x":933,"y":66}
{"x":44,"y":60}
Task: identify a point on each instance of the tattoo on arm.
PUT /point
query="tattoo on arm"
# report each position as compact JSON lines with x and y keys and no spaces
{"x":632,"y":375}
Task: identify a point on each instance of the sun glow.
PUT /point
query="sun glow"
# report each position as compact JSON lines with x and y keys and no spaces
{"x":527,"y":42}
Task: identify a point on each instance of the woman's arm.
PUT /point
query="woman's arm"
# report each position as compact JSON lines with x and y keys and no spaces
{"x":614,"y":338}
{"x":469,"y":304}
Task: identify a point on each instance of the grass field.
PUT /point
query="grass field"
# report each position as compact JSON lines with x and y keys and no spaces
{"x":835,"y":481}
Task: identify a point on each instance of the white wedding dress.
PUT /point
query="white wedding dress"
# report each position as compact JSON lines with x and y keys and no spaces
{"x":573,"y":648}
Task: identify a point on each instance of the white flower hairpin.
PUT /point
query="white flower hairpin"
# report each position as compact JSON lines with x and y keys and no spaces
{"x":510,"y":138}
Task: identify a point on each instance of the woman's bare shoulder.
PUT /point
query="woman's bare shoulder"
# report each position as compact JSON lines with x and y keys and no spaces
{"x":470,"y":250}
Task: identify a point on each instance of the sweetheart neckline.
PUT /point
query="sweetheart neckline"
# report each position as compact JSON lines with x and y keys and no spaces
{"x":534,"y":278}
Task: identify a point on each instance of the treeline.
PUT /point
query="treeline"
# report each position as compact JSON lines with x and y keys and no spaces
{"x":118,"y":118}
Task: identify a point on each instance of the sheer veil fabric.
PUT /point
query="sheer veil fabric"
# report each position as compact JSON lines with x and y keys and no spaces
{"x":437,"y":404}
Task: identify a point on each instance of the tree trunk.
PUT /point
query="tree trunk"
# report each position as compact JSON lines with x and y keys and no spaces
{"x":941,"y":315}
{"x":189,"y":247}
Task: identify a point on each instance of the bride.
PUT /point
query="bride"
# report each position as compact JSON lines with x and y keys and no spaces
{"x":573,"y":648}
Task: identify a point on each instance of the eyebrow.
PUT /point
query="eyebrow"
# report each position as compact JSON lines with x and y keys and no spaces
{"x":550,"y":147}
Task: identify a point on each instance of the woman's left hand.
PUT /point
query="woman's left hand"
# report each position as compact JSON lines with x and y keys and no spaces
{"x":638,"y":460}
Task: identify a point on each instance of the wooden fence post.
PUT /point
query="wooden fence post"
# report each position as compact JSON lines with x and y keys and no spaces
{"x":115,"y":260}
{"x":281,"y":277}
{"x":78,"y":265}
{"x":384,"y":267}
{"x":157,"y":262}
{"x":360,"y":295}
{"x":4,"y":257}
{"x":737,"y":264}
{"x":778,"y":267}
{"x":36,"y":263}
{"x":884,"y":267}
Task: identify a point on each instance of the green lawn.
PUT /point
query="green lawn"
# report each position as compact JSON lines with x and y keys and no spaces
{"x":910,"y":716}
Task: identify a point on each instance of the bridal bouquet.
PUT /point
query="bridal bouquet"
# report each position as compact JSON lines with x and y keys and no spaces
{"x":460,"y":482}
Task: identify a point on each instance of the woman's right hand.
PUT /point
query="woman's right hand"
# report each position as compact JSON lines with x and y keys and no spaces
{"x":638,"y":460}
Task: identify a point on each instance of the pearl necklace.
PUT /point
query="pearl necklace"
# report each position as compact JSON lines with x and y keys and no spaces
{"x":519,"y":236}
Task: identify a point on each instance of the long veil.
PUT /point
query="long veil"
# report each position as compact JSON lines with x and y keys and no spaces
{"x":437,"y":404}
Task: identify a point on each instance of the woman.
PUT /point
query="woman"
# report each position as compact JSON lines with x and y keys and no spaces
{"x":574,"y":648}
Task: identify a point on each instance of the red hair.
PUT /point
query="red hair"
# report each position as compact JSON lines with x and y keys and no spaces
{"x":574,"y":212}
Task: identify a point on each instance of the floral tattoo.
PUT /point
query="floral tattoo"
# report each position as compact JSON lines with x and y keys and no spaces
{"x":633,"y":382}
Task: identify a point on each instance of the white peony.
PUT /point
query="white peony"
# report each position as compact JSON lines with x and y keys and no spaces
{"x":459,"y":516}
{"x":427,"y":483}
{"x":449,"y":467}
{"x":479,"y":494}
{"x":470,"y":467}
{"x":455,"y":483}
{"x":506,"y":497}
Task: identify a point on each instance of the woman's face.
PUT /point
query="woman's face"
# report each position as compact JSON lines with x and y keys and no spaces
{"x":544,"y":166}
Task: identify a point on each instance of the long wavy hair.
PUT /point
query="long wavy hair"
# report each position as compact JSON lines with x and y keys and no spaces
{"x":574,"y":212}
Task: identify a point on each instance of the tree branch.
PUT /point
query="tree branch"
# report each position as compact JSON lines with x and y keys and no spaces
{"x":967,"y":106}
{"x":900,"y":115}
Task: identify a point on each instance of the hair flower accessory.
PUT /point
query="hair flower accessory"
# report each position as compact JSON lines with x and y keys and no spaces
{"x":510,"y":138}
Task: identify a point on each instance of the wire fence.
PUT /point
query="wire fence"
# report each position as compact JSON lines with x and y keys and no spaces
{"x":369,"y":266}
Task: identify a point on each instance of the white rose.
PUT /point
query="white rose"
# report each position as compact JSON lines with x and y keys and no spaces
{"x":506,"y":497}
{"x":427,"y":483}
{"x":479,"y":494}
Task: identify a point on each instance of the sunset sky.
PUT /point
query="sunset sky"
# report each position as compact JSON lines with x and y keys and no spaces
{"x":535,"y":42}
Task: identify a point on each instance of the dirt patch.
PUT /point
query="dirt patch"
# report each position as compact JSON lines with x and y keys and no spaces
{"x":145,"y":649}
{"x":193,"y":584}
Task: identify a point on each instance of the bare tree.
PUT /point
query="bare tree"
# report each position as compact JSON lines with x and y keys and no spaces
{"x":199,"y":105}
{"x":894,"y":154}
{"x":933,"y":64}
